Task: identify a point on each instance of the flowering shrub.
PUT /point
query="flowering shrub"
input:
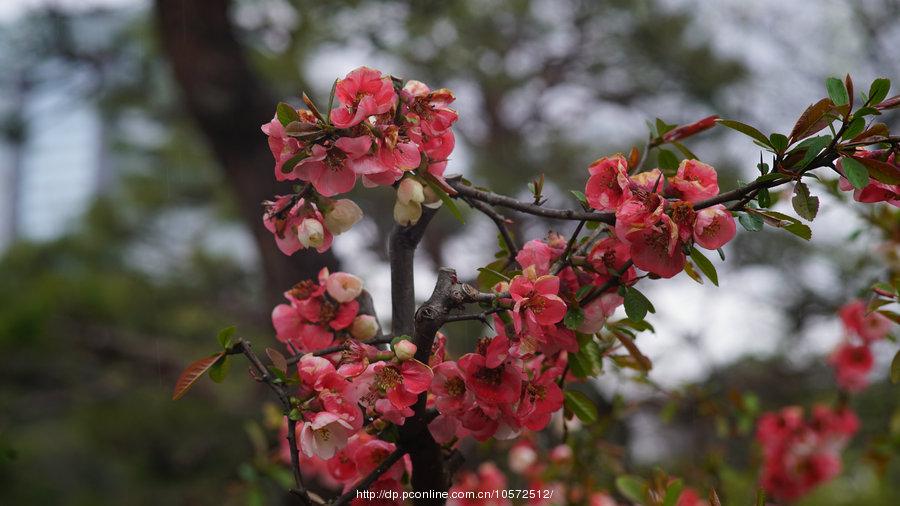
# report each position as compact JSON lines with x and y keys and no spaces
{"x":365,"y":409}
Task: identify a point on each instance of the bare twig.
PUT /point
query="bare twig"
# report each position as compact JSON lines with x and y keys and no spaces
{"x":501,"y":222}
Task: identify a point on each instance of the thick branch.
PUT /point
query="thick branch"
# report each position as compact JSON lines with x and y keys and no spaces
{"x":402,"y":249}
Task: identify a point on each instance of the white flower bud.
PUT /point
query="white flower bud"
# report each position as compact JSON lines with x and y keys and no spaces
{"x":343,"y":214}
{"x":364,"y":327}
{"x":311,"y":233}
{"x":410,"y":191}
{"x":407,"y":214}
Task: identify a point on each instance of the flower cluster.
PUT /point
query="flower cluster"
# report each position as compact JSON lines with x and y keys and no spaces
{"x":382,"y":131}
{"x":799,"y":454}
{"x":655,"y":215}
{"x":852,"y":359}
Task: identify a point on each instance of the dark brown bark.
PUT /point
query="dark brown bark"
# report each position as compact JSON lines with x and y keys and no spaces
{"x":229,"y":102}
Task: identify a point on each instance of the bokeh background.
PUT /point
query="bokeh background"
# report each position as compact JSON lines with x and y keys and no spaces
{"x":132,"y":168}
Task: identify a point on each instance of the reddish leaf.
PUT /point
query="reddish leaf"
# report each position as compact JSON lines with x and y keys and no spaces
{"x":882,"y":171}
{"x":192,"y":373}
{"x":635,"y":353}
{"x":277,"y":359}
{"x":889,"y":103}
{"x":633,"y":158}
{"x":848,"y":83}
{"x":813,"y":119}
{"x":875,"y":129}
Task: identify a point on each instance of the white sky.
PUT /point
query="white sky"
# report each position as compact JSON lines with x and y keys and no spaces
{"x":11,"y":9}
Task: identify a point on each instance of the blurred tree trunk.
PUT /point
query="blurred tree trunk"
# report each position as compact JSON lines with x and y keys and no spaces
{"x":229,"y":102}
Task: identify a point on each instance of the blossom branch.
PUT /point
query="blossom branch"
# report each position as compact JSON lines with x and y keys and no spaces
{"x":401,"y":249}
{"x":364,"y":483}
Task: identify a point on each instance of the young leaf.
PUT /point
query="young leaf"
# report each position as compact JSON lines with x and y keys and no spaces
{"x":192,"y":373}
{"x":220,"y":369}
{"x":855,"y":172}
{"x":668,"y":163}
{"x":800,"y":230}
{"x":224,"y":337}
{"x":580,"y":196}
{"x":882,"y":171}
{"x":856,"y":126}
{"x":488,"y":276}
{"x":813,"y":119}
{"x":633,"y":488}
{"x":879,"y":90}
{"x":837,"y":92}
{"x":578,"y":403}
{"x":277,"y":358}
{"x":705,"y":265}
{"x":673,"y":492}
{"x":779,"y":142}
{"x":286,"y":113}
{"x":805,"y":204}
{"x":746,"y":130}
{"x":813,"y":147}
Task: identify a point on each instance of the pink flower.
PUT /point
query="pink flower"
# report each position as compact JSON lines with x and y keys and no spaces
{"x":428,"y":109}
{"x":401,"y":384}
{"x":536,"y":253}
{"x":690,"y":497}
{"x":296,"y":226}
{"x":651,"y":180}
{"x":714,"y":227}
{"x":449,"y":388}
{"x":875,"y":191}
{"x":372,"y":453}
{"x":332,"y":169}
{"x":609,"y":176}
{"x":363,"y":93}
{"x":869,"y":326}
{"x":536,"y":299}
{"x":638,"y":210}
{"x":487,"y":481}
{"x":542,"y":397}
{"x":608,"y":258}
{"x":283,"y":147}
{"x":491,"y":386}
{"x":695,"y":181}
{"x":324,"y":434}
{"x":657,"y":249}
{"x":852,"y":365}
{"x":598,"y":311}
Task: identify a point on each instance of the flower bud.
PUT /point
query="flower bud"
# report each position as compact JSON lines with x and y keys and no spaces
{"x":561,"y":454}
{"x":404,"y":350}
{"x":432,"y":200}
{"x":344,"y":213}
{"x":343,"y":287}
{"x":410,"y":191}
{"x":364,"y":327}
{"x":407,"y":214}
{"x":311,"y":233}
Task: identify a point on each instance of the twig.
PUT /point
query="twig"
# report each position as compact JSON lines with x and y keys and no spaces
{"x":501,"y":223}
{"x":364,"y":483}
{"x":564,"y":258}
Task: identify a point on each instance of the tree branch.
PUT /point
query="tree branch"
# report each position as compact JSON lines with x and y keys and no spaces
{"x":401,"y":250}
{"x":364,"y":483}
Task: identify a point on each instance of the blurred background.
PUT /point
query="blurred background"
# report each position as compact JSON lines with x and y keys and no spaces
{"x":132,"y":170}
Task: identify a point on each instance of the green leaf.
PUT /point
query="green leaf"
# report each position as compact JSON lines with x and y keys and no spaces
{"x":837,"y":92}
{"x":574,"y":317}
{"x":855,"y":172}
{"x":895,"y":368}
{"x":764,"y":198}
{"x":289,"y":165}
{"x":192,"y":373}
{"x":662,"y":127}
{"x":580,"y":196}
{"x":224,"y":336}
{"x":800,"y":230}
{"x":220,"y":369}
{"x":668,"y":162}
{"x":286,"y":113}
{"x":705,"y":265}
{"x":879,"y":90}
{"x":760,"y":497}
{"x":634,"y":488}
{"x":805,"y":204}
{"x":489,"y":276}
{"x":684,"y":150}
{"x":588,"y":362}
{"x":854,"y":128}
{"x":673,"y":492}
{"x":746,"y":130}
{"x":813,"y":147}
{"x":779,"y":142}
{"x":578,"y":403}
{"x":636,"y":304}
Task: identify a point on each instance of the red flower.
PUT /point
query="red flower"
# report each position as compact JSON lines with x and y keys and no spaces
{"x":714,"y":227}
{"x":492,"y":386}
{"x":605,"y":187}
{"x":695,"y":181}
{"x":657,"y":248}
{"x":536,"y":299}
{"x":852,"y":365}
{"x":363,"y":93}
{"x":869,"y":326}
